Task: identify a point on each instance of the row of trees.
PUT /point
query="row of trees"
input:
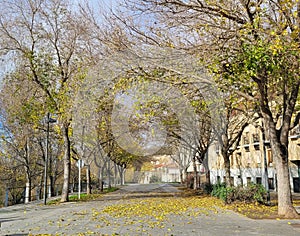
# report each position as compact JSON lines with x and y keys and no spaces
{"x":252,"y":49}
{"x":48,"y":47}
{"x":208,"y":66}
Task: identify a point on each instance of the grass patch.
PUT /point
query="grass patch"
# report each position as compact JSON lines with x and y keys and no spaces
{"x":84,"y":197}
{"x":109,"y":190}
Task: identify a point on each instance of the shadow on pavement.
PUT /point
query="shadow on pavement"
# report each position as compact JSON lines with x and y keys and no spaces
{"x":15,"y":234}
{"x":2,"y":220}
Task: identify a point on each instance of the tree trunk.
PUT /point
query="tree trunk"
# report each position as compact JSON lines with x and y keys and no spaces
{"x":208,"y":177}
{"x":280,"y":154}
{"x":181,"y":175}
{"x":67,"y":164}
{"x":52,"y":185}
{"x":285,"y":205}
{"x":88,"y":180}
{"x":195,"y":184}
{"x":28,"y":175}
{"x":227,"y":168}
{"x":122,"y":174}
{"x":207,"y":171}
{"x":28,"y":190}
{"x":115,"y":175}
{"x":40,"y":189}
{"x":186,"y":177}
{"x":101,"y":170}
{"x":108,"y":174}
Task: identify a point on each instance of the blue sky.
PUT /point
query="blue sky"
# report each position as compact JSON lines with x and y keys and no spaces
{"x":105,"y":3}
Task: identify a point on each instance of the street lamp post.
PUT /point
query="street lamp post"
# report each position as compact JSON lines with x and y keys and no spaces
{"x":49,"y":120}
{"x":266,"y":175}
{"x":80,"y":164}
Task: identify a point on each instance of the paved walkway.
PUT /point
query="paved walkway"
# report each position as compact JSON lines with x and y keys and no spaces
{"x":87,"y":218}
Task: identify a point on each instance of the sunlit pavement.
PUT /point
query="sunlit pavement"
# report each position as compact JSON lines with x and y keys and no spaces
{"x":88,"y":218}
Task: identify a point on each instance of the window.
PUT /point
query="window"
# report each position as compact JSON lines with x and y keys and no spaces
{"x":258,"y":180}
{"x":248,"y":181}
{"x":270,"y":157}
{"x":296,"y":183}
{"x":217,"y":149}
{"x":246,"y":138}
{"x":255,"y":138}
{"x":218,"y":179}
{"x":271,"y":183}
{"x":232,"y":180}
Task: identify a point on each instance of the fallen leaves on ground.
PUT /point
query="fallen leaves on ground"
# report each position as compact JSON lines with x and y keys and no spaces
{"x":159,"y":208}
{"x":140,"y":215}
{"x":154,"y":212}
{"x":254,"y":210}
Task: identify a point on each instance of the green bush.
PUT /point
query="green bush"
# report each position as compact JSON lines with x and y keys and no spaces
{"x":154,"y":179}
{"x":208,"y":188}
{"x":250,"y":193}
{"x":220,"y":190}
{"x":259,"y":192}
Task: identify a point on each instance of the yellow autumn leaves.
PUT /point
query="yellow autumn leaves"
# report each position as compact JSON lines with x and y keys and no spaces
{"x":147,"y":215}
{"x":160,"y":208}
{"x":253,"y":210}
{"x":154,"y":211}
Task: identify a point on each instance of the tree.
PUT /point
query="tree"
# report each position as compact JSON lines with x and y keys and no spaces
{"x":277,"y":90}
{"x":50,"y":39}
{"x":235,"y":116}
{"x":260,"y":36}
{"x":196,"y":138}
{"x":21,"y":114}
{"x":184,"y":159}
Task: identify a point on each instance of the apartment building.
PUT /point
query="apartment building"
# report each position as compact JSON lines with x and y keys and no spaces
{"x":252,"y":161}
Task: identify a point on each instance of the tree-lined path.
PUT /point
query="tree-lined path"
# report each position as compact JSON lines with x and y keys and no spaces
{"x":154,"y":209}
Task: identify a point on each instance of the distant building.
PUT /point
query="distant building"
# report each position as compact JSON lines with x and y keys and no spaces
{"x":164,"y":170}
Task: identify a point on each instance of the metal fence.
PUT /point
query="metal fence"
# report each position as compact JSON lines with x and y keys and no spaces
{"x":16,"y":195}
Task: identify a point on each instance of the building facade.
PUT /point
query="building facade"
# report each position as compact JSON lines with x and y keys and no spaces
{"x":252,"y":161}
